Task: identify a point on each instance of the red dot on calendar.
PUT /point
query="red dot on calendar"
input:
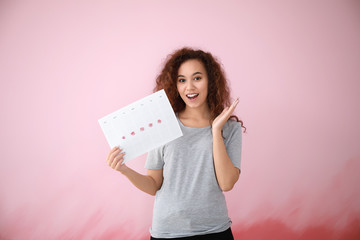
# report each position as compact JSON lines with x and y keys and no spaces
{"x":159,"y":121}
{"x":142,"y":129}
{"x":150,"y":125}
{"x":123,"y":137}
{"x":133,"y":133}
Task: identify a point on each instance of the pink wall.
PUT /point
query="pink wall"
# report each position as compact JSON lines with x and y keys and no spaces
{"x":64,"y":64}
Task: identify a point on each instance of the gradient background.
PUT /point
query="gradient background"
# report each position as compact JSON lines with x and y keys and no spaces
{"x":64,"y":64}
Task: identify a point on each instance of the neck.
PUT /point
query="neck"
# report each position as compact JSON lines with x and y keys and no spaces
{"x":199,"y":113}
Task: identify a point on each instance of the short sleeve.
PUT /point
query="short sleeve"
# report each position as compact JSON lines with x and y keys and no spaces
{"x":233,"y":141}
{"x":155,"y":159}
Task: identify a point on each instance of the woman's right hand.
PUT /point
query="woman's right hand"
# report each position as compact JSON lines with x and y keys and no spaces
{"x":115,"y":159}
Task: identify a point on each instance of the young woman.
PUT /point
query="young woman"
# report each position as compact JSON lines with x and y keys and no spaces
{"x":187,"y":176}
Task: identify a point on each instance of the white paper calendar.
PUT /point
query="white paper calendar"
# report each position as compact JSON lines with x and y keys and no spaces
{"x":141,"y":126}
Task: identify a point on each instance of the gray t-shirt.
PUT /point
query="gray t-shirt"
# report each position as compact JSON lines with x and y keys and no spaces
{"x":190,"y":201}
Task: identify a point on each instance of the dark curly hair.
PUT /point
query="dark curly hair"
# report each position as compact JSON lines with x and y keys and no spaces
{"x":218,"y":91}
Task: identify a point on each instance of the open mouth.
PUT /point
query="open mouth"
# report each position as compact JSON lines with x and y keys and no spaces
{"x":192,"y":96}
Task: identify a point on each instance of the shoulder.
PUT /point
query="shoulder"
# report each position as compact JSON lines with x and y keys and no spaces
{"x":232,"y":125}
{"x":232,"y":133}
{"x":231,"y":128}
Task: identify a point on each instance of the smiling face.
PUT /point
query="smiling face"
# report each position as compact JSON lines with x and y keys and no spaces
{"x":192,"y":83}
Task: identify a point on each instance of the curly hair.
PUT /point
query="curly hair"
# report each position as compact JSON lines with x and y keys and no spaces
{"x":218,"y":91}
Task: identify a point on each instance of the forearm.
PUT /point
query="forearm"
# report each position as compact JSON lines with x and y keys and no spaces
{"x":226,"y":173}
{"x":143,"y":182}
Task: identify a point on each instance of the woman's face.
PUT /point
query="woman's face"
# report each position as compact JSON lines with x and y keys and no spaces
{"x":192,"y":83}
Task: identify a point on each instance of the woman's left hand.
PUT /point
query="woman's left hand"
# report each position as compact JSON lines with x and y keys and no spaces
{"x":220,"y":120}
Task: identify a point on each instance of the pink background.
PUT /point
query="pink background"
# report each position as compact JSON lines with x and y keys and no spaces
{"x":64,"y":64}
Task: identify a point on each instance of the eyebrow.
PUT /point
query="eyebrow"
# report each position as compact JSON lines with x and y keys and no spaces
{"x":192,"y":74}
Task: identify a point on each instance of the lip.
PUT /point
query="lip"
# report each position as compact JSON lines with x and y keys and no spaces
{"x":196,"y":95}
{"x":191,"y":94}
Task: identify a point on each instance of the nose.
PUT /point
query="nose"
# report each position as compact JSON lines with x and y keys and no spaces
{"x":189,"y":85}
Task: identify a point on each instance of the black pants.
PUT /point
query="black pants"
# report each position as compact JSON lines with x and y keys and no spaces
{"x":226,"y":235}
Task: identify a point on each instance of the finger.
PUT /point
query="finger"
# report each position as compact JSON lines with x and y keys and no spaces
{"x":119,"y":164}
{"x":114,"y":160}
{"x":111,"y":151}
{"x":233,"y":106}
{"x":224,"y":111}
{"x":236,"y":102}
{"x":117,"y":159}
{"x":113,"y":155}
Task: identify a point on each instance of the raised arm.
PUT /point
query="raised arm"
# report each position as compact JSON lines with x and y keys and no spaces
{"x":226,"y":173}
{"x":149,"y":183}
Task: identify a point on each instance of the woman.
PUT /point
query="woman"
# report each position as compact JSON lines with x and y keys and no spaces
{"x":188,"y":175}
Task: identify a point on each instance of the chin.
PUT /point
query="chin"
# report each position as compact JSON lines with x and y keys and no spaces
{"x":193,"y":105}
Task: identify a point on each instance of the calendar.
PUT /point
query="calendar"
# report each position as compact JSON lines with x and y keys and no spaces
{"x":142,"y":125}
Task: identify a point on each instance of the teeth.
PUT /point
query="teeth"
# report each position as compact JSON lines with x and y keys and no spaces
{"x":192,"y":95}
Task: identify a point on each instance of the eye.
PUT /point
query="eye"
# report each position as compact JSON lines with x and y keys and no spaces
{"x":181,"y":80}
{"x":197,"y":78}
